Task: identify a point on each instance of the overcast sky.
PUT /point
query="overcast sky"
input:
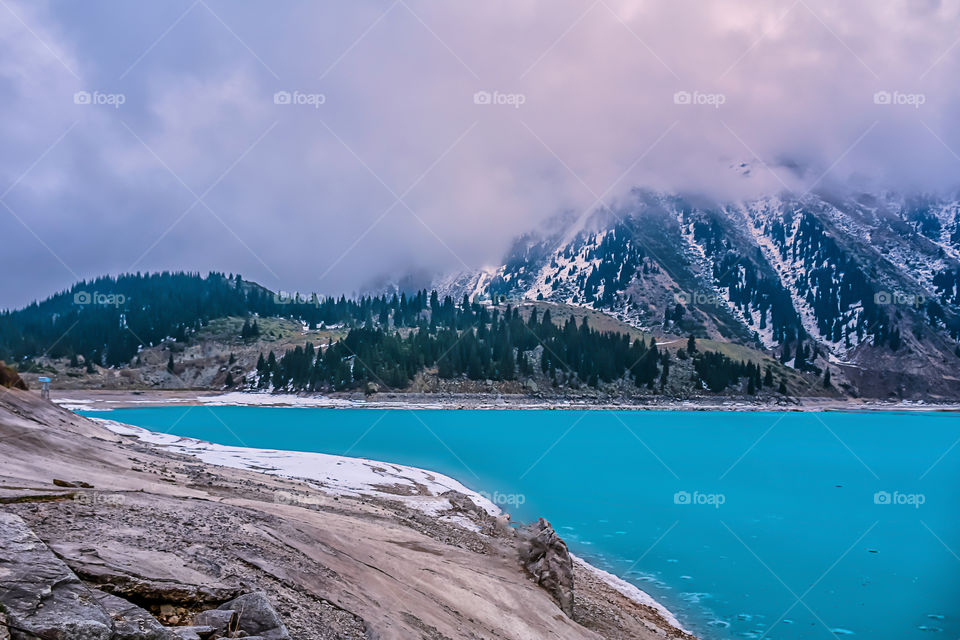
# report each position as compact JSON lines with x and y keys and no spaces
{"x":324,"y":146}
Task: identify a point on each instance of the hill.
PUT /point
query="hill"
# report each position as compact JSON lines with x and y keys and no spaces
{"x":177,"y":330}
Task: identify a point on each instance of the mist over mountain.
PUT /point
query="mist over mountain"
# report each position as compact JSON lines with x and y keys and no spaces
{"x":872,"y":280}
{"x":423,"y":138}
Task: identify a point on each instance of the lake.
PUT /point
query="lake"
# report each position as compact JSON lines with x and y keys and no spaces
{"x":744,"y":524}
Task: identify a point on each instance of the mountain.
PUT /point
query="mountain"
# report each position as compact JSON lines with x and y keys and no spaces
{"x":184,"y":330}
{"x":868,"y":284}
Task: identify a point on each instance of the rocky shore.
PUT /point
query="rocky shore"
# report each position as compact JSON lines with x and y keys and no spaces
{"x":106,"y":535}
{"x":116,"y":399}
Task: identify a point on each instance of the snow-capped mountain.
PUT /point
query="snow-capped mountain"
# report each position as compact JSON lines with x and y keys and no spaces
{"x":870,"y":283}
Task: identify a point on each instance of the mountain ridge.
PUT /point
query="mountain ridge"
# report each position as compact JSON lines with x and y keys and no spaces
{"x":868,"y":282}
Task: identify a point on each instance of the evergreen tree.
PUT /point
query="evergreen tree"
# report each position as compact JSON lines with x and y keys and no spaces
{"x":826,"y":379}
{"x":691,"y":344}
{"x":170,"y":365}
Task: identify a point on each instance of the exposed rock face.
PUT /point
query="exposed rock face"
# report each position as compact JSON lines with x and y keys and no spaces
{"x":256,"y":617}
{"x":545,"y":556}
{"x":174,"y":535}
{"x":130,"y":622}
{"x":40,"y":594}
{"x":144,"y":575}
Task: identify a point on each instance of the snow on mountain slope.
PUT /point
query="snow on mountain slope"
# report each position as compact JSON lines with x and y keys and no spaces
{"x":839,"y":273}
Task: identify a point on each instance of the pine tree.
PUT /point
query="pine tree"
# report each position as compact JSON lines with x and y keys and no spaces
{"x":783,"y":387}
{"x":826,"y":379}
{"x":768,"y":378}
{"x":170,"y":363}
{"x":229,"y":381}
{"x":691,"y":344}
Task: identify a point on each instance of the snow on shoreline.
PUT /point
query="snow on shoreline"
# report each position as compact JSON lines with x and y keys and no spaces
{"x":343,"y":475}
{"x":339,"y":475}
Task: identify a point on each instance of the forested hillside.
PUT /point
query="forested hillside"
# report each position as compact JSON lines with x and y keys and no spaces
{"x":218,"y":331}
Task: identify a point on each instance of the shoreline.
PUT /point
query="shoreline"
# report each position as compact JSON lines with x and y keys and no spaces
{"x":97,"y":400}
{"x":361,"y":477}
{"x":359,"y":549}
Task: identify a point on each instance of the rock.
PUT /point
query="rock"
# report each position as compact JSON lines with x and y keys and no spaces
{"x":192,"y":633}
{"x":502,"y":524}
{"x":130,"y":622}
{"x":461,"y":502}
{"x":223,"y":620}
{"x":72,"y":485}
{"x":10,"y":379}
{"x":371,"y":388}
{"x":256,"y":617}
{"x":146,"y":576}
{"x":42,"y":596}
{"x":545,"y":556}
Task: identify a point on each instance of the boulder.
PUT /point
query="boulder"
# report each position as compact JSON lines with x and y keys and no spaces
{"x":545,"y":556}
{"x":146,"y":576}
{"x":222,"y":620}
{"x":130,"y":622}
{"x":41,"y":596}
{"x":256,"y":617}
{"x":192,"y":633}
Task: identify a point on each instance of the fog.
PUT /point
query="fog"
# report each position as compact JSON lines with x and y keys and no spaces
{"x":327,"y":146}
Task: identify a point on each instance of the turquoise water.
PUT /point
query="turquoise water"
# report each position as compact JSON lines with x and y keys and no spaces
{"x":745,"y":524}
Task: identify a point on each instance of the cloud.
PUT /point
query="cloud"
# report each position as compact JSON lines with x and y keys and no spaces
{"x":424,"y":136}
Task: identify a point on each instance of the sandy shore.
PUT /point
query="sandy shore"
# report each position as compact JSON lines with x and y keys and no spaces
{"x":116,"y":399}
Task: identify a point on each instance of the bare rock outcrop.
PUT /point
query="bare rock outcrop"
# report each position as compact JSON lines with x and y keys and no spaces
{"x":130,"y":622}
{"x":40,"y":595}
{"x":545,"y":556}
